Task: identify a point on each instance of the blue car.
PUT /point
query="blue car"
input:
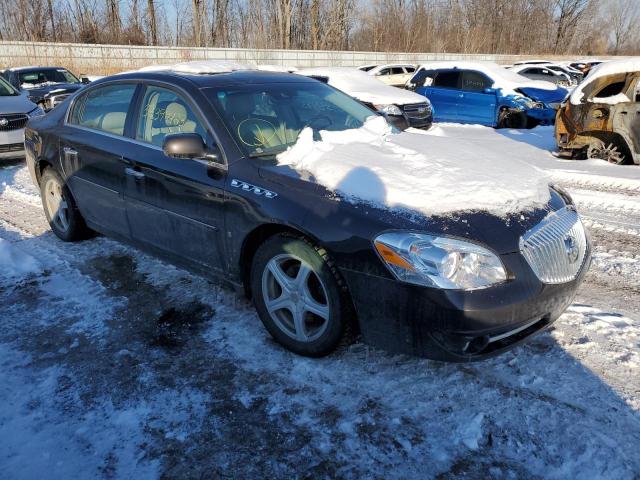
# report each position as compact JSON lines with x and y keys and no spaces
{"x":487,"y":94}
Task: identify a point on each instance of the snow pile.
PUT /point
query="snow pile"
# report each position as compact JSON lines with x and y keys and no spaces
{"x":615,"y":99}
{"x":199,"y":67}
{"x":363,"y":86}
{"x":612,"y":67}
{"x":14,"y":262}
{"x":407,"y":171}
{"x":508,"y":80}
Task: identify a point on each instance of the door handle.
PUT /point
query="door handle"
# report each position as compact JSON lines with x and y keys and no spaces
{"x":134,"y":173}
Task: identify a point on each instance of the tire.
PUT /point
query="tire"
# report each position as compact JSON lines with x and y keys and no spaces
{"x":613,"y":152}
{"x":312,"y":282}
{"x":512,"y":119}
{"x":65,"y":219}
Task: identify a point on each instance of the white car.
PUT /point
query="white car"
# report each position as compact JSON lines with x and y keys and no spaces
{"x":543,"y":72}
{"x":401,"y":107}
{"x":15,"y":111}
{"x":396,"y":74}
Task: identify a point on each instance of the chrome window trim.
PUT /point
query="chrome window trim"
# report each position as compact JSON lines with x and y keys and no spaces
{"x":144,"y":83}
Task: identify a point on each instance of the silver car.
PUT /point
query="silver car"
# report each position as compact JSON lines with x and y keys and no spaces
{"x":15,"y":111}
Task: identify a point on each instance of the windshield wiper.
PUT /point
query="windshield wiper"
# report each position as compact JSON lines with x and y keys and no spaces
{"x":264,"y":154}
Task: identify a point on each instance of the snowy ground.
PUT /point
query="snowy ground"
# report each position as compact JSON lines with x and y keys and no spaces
{"x":116,"y":365}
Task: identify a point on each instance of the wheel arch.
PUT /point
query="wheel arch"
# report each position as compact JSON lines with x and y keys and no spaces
{"x":257,"y":237}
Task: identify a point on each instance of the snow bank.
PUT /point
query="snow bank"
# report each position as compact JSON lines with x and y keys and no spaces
{"x":508,"y":80}
{"x":612,"y":67}
{"x":14,"y":262}
{"x":363,"y":86}
{"x":408,"y":171}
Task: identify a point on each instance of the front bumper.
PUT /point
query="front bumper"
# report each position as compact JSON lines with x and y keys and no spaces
{"x":458,"y":326}
{"x":402,"y":122}
{"x":12,"y":144}
{"x":543,"y":116}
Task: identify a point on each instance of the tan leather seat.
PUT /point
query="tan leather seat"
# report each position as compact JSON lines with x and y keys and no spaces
{"x":175,"y":121}
{"x":113,"y":122}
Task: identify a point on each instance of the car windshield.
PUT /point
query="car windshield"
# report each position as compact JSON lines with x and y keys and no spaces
{"x":6,"y":90}
{"x":266,"y":119}
{"x":35,"y":78}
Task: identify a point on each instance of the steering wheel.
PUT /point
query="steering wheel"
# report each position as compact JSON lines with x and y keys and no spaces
{"x":256,"y":132}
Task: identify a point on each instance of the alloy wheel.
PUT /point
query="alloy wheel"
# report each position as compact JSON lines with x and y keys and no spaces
{"x":57,"y":205}
{"x":295,"y":297}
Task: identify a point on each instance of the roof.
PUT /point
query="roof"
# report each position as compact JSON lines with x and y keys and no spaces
{"x":613,"y":67}
{"x":239,"y":77}
{"x":22,"y":69}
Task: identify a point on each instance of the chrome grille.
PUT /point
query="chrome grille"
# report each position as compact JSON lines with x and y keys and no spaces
{"x":556,"y":248}
{"x":417,"y":110}
{"x":12,"y":121}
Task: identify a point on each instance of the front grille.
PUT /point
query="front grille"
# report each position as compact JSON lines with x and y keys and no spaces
{"x":417,"y":110}
{"x":55,"y":100}
{"x":11,"y":147}
{"x":556,"y":248}
{"x":12,"y":121}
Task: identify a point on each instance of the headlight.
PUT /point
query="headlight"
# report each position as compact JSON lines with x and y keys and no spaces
{"x":388,"y":109}
{"x":36,"y":112}
{"x":440,"y":262}
{"x":525,"y":102}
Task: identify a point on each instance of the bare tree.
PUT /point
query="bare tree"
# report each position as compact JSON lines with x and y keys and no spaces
{"x":624,"y":16}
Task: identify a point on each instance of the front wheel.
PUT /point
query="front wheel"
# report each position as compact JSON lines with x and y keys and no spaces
{"x":300,"y":297}
{"x":60,"y":208}
{"x":512,"y":119}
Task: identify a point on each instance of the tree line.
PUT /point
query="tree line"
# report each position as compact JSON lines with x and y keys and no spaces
{"x":586,"y":27}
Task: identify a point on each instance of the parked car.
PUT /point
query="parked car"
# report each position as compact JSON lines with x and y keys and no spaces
{"x":486,"y":94}
{"x":601,"y":119}
{"x":392,"y":74}
{"x":402,"y":108}
{"x":45,"y":86}
{"x":15,"y":110}
{"x":575,"y":74}
{"x":543,"y":72}
{"x":585,"y":66}
{"x":188,"y":166}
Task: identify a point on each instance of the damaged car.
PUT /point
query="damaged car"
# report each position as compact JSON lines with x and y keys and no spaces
{"x":44,"y":86}
{"x":486,"y":94}
{"x":601,"y":118}
{"x":403,"y":109}
{"x":333,"y":222}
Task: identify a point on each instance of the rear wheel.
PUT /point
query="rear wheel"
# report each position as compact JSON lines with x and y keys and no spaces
{"x":60,"y":208}
{"x":300,"y":297}
{"x":611,"y":152}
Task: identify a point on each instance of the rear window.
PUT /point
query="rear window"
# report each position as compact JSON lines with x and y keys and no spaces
{"x":397,"y":71}
{"x":104,"y":108}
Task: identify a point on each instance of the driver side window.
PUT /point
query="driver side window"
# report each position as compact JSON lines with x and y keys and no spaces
{"x":164,"y":112}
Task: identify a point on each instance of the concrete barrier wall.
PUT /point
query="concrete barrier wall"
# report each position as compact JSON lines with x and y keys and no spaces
{"x":107,"y":59}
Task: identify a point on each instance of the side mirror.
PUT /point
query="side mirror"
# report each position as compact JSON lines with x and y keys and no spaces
{"x":490,"y":91}
{"x":184,"y":145}
{"x":85,"y":80}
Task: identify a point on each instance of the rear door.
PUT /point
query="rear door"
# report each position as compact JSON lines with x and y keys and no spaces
{"x":174,"y":205}
{"x":445,"y":93}
{"x":92,"y":146}
{"x":475,"y":104}
{"x":397,"y":76}
{"x":626,"y":119}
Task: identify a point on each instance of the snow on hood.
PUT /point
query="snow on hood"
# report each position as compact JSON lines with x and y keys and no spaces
{"x":363,"y":86}
{"x":508,"y":80}
{"x":409,"y":171}
{"x":199,"y":67}
{"x":612,"y":67}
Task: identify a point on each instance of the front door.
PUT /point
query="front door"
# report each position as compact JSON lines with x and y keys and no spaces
{"x":445,"y":94}
{"x":174,"y":205}
{"x":92,"y":145}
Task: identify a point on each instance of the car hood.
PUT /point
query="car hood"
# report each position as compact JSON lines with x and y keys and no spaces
{"x":416,"y":175}
{"x":545,"y":96}
{"x":58,"y":88}
{"x":16,"y":104}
